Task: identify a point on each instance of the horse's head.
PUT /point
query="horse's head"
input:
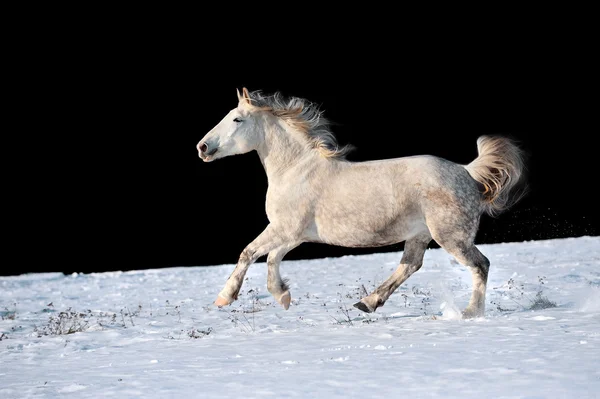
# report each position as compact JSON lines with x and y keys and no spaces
{"x":238,"y":132}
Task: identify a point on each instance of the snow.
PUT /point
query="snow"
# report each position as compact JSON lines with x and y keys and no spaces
{"x":155,"y":334}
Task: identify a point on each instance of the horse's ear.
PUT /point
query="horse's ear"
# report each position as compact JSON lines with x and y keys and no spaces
{"x":246,"y":96}
{"x":239,"y":95}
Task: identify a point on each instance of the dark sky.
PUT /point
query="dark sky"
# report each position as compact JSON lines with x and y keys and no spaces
{"x":113,"y":180}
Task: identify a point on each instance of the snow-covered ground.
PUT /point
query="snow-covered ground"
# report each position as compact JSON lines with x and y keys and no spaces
{"x":155,"y":334}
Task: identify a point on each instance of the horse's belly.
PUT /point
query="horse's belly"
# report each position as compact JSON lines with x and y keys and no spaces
{"x":367,"y":206}
{"x":366,"y":234}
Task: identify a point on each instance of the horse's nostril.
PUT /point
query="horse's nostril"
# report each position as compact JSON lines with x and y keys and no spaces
{"x":203,"y":147}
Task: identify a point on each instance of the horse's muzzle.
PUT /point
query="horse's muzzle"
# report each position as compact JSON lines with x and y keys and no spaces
{"x":205,"y":151}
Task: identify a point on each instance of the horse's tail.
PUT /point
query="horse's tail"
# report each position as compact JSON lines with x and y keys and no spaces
{"x":499,"y":168}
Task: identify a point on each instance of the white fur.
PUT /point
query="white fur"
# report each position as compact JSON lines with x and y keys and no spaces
{"x":315,"y":195}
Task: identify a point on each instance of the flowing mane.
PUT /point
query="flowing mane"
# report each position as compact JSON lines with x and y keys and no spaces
{"x":306,"y":117}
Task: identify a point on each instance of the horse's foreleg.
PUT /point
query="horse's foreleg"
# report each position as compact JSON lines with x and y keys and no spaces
{"x":276,"y":286}
{"x":412,"y":260}
{"x":265,"y":242}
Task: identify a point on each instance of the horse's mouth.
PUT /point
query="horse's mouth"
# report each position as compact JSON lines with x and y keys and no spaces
{"x":206,"y":158}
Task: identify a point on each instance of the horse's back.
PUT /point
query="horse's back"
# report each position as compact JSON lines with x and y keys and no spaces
{"x":411,"y":176}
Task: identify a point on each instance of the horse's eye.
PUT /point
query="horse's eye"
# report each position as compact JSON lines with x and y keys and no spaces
{"x":238,"y":120}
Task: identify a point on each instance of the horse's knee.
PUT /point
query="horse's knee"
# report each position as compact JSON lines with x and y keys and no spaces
{"x":247,"y":256}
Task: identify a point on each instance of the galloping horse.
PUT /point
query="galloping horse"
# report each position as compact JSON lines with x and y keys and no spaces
{"x":316,"y":195}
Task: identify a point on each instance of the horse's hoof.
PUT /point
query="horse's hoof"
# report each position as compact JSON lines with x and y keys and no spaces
{"x":285,"y":300}
{"x":220,"y":301}
{"x":363,"y":306}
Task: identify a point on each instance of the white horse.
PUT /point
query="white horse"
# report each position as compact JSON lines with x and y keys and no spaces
{"x":315,"y":195}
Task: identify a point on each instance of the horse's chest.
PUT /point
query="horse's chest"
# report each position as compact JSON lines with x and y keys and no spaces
{"x":285,"y":204}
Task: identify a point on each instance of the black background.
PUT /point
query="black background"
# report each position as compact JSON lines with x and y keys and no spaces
{"x":108,"y":177}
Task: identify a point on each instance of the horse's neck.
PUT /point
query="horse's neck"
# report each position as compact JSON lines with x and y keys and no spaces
{"x":282,"y":150}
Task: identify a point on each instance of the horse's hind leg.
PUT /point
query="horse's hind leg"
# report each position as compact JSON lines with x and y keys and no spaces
{"x":466,"y":253}
{"x":276,"y":286}
{"x":412,"y":260}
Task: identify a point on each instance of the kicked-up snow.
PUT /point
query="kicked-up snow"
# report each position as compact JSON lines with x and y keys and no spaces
{"x":156,"y":334}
